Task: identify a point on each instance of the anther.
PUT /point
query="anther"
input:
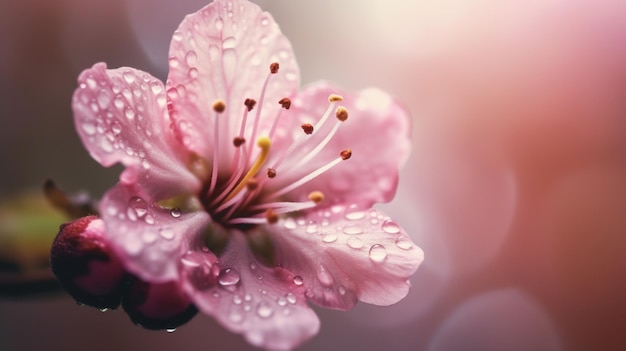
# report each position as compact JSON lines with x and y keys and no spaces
{"x":285,"y":103}
{"x":274,"y":67}
{"x":334,"y":98}
{"x":264,"y":144}
{"x":252,"y":184}
{"x":249,"y":103}
{"x":238,"y":141}
{"x":307,"y":128}
{"x":345,"y":154}
{"x":316,"y":196}
{"x":219,"y":106}
{"x":341,"y":113}
{"x":271,"y":216}
{"x":271,"y":173}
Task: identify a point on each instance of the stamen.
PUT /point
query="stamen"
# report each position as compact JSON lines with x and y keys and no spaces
{"x":264,"y":143}
{"x":285,"y":103}
{"x":281,"y":207}
{"x":335,"y":98}
{"x":271,"y":173}
{"x":342,"y":115}
{"x":218,"y":106}
{"x":252,"y":184}
{"x":307,"y":128}
{"x":274,"y":67}
{"x":316,"y":196}
{"x":249,"y":104}
{"x":344,"y":155}
{"x":238,"y":141}
{"x":271,"y":216}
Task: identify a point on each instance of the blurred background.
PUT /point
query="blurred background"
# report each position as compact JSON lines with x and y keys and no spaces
{"x":516,"y":187}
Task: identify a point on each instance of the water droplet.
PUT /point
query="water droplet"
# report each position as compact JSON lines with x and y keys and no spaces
{"x":247,"y":297}
{"x":145,"y":164}
{"x":281,"y":301}
{"x":237,"y":300}
{"x":89,"y":128}
{"x":119,"y":102}
{"x":116,"y":127}
{"x":291,"y":298}
{"x":173,"y":62}
{"x":133,"y":245}
{"x":404,"y":243}
{"x":139,"y":206}
{"x":390,"y":227}
{"x":264,"y":310}
{"x":353,"y":229}
{"x":103,"y":99}
{"x":129,"y":77}
{"x":177,"y":36}
{"x":236,"y":316}
{"x":378,"y":253}
{"x":324,"y":277}
{"x":94,"y":107}
{"x":175,"y":212}
{"x":229,"y":277}
{"x":193,"y":73}
{"x":290,"y":223}
{"x":129,"y":113}
{"x":91,"y":82}
{"x":191,"y":58}
{"x":201,"y":272}
{"x":355,"y":243}
{"x":149,"y":219}
{"x":329,"y":238}
{"x":104,"y":309}
{"x":342,"y":290}
{"x":106,"y":145}
{"x":165,"y":233}
{"x":219,"y":23}
{"x":229,"y":43}
{"x":355,"y":215}
{"x":325,"y":222}
{"x":156,"y":87}
{"x":170,"y":330}
{"x":297,"y":280}
{"x":311,"y":228}
{"x":264,"y":21}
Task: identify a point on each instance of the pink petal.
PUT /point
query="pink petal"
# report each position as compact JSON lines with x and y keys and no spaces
{"x":121,"y":117}
{"x":346,"y":254}
{"x":260,"y":302}
{"x":147,"y":238}
{"x":378,"y":133}
{"x":223,"y":52}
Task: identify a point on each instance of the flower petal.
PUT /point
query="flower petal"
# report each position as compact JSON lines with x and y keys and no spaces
{"x":223,"y":52}
{"x":260,"y":302}
{"x":345,"y":254}
{"x":120,"y":116}
{"x":147,"y":238}
{"x":378,"y":133}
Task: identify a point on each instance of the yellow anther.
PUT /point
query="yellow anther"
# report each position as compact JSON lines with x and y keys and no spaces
{"x":316,"y":196}
{"x":334,"y":98}
{"x":264,"y":143}
{"x":341,"y":113}
{"x":219,"y":106}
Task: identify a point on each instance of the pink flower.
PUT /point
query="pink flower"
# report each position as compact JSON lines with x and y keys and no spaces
{"x":241,"y":196}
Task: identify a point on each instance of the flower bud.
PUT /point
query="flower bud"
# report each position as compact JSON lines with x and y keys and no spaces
{"x":84,"y":264}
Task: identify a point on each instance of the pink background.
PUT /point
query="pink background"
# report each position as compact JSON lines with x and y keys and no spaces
{"x":516,"y":187}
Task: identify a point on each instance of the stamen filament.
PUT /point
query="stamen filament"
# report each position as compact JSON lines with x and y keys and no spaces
{"x":263,"y":143}
{"x":218,"y":107}
{"x":309,"y":177}
{"x":319,"y":147}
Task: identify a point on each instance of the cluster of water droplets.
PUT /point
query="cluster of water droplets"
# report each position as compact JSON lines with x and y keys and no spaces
{"x":115,"y":105}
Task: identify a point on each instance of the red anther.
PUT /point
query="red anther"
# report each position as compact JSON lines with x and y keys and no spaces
{"x":345,"y":154}
{"x":249,"y":103}
{"x":271,"y":173}
{"x":274,"y":67}
{"x":307,"y":128}
{"x":285,"y":103}
{"x":238,"y":141}
{"x":271,"y":216}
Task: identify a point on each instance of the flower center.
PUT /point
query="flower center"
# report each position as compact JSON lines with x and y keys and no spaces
{"x":255,"y":188}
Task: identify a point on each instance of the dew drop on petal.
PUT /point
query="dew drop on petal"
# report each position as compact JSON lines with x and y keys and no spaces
{"x":175,"y":212}
{"x":177,"y":36}
{"x":404,"y":243}
{"x":129,"y":77}
{"x":237,"y":300}
{"x":165,"y":233}
{"x":264,"y":21}
{"x":352,"y":229}
{"x":145,"y":164}
{"x":355,"y":243}
{"x":290,"y":223}
{"x":291,"y":298}
{"x":390,"y":227}
{"x":342,"y":290}
{"x":106,"y":145}
{"x":170,"y":330}
{"x":116,"y":127}
{"x":89,"y":128}
{"x":329,"y":238}
{"x":228,"y":277}
{"x":119,"y":102}
{"x":297,"y":280}
{"x":355,"y":215}
{"x":229,"y":43}
{"x":129,"y":113}
{"x":324,"y":277}
{"x":264,"y":310}
{"x":138,"y":205}
{"x":133,"y":245}
{"x":149,"y":219}
{"x":191,"y":58}
{"x":378,"y":253}
{"x":103,"y":99}
{"x":236,"y":316}
{"x":219,"y":23}
{"x":281,"y":301}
